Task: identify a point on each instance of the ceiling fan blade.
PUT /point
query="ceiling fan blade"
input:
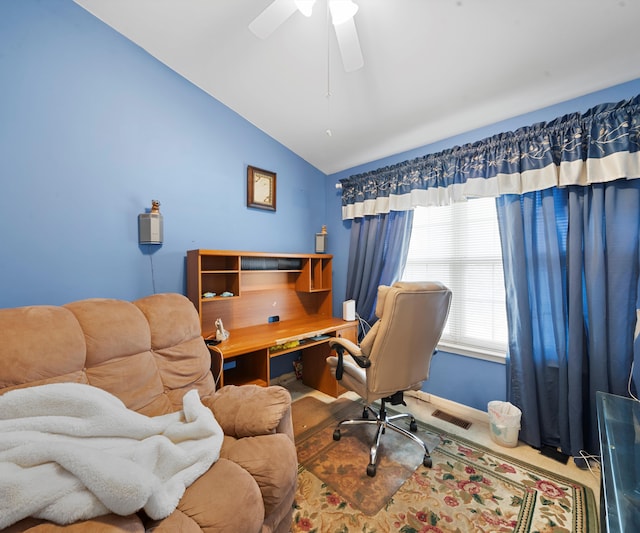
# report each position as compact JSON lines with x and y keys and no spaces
{"x":274,"y":15}
{"x":349,"y":45}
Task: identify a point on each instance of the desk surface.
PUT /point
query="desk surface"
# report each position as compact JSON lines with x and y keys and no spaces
{"x":263,"y":336}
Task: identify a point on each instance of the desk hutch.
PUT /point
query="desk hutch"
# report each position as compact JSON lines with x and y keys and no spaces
{"x":274,"y":304}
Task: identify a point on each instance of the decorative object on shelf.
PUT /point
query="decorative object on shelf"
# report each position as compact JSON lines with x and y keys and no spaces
{"x":321,"y":241}
{"x":221,"y":333}
{"x":150,"y":225}
{"x":261,"y":188}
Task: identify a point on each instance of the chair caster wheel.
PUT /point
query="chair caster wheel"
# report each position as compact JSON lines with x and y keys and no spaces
{"x":426,"y":462}
{"x":413,"y":426}
{"x":371,"y":470}
{"x":336,"y":434}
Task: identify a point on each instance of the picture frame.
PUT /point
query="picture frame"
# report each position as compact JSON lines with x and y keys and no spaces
{"x":261,"y":188}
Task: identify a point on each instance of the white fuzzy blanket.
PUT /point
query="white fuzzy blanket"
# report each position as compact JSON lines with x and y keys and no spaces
{"x":70,"y":451}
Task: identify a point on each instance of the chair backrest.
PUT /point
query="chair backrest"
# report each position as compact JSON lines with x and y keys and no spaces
{"x":411,"y":318}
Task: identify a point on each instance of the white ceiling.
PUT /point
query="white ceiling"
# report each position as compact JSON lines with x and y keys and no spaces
{"x":432,"y":68}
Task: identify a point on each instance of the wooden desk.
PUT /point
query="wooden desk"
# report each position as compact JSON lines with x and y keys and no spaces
{"x":266,"y":300}
{"x":250,"y":349}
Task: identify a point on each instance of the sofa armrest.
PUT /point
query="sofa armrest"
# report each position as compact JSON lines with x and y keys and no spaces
{"x":250,"y":410}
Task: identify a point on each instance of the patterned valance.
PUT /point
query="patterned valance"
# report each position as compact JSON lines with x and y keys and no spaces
{"x":600,"y":145}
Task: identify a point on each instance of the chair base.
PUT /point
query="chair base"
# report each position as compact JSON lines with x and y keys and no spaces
{"x":384,"y":421}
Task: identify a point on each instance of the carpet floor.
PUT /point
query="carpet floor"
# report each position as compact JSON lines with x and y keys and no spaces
{"x":470,"y":488}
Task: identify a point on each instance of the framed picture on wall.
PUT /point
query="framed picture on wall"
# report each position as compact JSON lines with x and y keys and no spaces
{"x":261,"y":188}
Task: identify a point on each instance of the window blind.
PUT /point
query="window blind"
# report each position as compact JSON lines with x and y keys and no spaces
{"x":459,"y":245}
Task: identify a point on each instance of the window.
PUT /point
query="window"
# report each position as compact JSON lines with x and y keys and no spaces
{"x":459,"y":245}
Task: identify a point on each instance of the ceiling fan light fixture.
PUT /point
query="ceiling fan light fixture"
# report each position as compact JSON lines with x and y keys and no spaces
{"x":305,"y":6}
{"x":342,"y":15}
{"x":342,"y":11}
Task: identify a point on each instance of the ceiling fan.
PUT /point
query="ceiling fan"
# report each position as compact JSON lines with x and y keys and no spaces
{"x":342,"y":13}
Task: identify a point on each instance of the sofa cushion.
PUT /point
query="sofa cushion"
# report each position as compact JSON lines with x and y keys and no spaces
{"x":112,"y":329}
{"x":172,"y":319}
{"x":231,"y":492}
{"x":181,"y":357}
{"x":263,"y":457}
{"x":40,"y":344}
{"x":235,"y":409}
{"x":119,"y":358}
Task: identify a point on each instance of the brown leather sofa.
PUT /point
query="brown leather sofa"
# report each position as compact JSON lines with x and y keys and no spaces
{"x":149,"y":353}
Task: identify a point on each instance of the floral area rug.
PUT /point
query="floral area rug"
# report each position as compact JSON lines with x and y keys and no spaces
{"x":469,"y":488}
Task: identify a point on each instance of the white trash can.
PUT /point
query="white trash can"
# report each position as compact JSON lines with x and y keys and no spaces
{"x":504,"y":419}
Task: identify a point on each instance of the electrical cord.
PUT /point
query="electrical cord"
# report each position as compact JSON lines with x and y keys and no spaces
{"x":153,"y":274}
{"x":214,"y":348}
{"x":364,"y":326}
{"x":629,"y":383}
{"x":587,"y":458}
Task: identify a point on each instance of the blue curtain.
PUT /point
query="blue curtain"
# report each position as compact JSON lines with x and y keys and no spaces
{"x":571,"y":272}
{"x":377,"y":256}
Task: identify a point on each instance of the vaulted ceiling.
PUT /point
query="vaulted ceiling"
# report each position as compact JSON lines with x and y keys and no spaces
{"x":432,"y":68}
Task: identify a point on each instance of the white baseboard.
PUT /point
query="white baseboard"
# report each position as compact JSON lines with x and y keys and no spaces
{"x":454,"y":408}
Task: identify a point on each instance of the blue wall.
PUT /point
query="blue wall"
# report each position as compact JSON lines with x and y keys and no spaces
{"x":91,"y":130}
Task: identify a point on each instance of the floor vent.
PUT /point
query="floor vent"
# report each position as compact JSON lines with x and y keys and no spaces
{"x":464,"y":424}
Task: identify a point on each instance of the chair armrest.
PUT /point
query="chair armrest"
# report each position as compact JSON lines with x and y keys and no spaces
{"x":348,"y":345}
{"x":250,"y":410}
{"x":354,"y":350}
